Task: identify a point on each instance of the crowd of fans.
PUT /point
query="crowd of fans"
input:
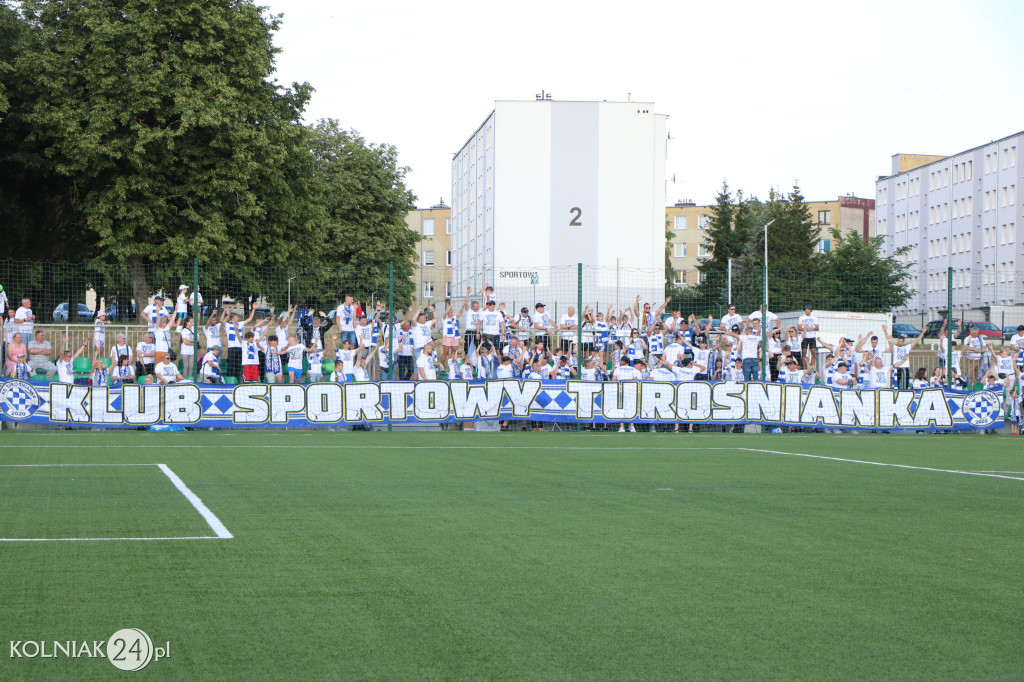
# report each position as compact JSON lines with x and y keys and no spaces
{"x":480,"y":339}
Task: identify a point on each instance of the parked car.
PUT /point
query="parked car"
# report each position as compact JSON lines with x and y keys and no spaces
{"x":60,"y":313}
{"x":905,"y":331}
{"x":932,"y":330}
{"x":986,"y":329}
{"x":1009,"y":331}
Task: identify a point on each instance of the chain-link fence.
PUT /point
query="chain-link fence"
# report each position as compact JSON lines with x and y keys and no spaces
{"x":239,"y":323}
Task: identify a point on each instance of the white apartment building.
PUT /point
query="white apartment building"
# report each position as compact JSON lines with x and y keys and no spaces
{"x":958,"y":212}
{"x":543,"y":185}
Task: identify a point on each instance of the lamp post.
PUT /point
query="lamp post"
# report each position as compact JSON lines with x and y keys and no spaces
{"x":764,"y":311}
{"x":290,"y":291}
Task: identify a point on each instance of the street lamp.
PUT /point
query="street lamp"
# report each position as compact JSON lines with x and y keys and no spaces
{"x":290,"y":290}
{"x":764,"y":311}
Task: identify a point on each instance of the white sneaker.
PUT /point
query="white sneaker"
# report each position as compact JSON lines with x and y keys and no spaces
{"x":631,"y":429}
{"x":622,"y":429}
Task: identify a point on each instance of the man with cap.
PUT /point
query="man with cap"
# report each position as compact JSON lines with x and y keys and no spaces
{"x":491,"y":325}
{"x":522,"y":323}
{"x":1017,"y":345}
{"x":789,"y":374}
{"x":542,"y":323}
{"x":843,"y":379}
{"x":153,"y":312}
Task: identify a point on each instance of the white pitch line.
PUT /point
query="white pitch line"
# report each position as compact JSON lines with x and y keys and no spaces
{"x":198,"y":537}
{"x":356,"y":446}
{"x":215,"y":525}
{"x":134,"y":464}
{"x":884,"y":464}
{"x":998,"y":472}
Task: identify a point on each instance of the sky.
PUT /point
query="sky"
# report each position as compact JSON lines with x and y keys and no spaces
{"x":758,"y":94}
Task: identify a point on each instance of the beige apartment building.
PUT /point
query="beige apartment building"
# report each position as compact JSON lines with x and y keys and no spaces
{"x":687,"y":220}
{"x":433,"y":254}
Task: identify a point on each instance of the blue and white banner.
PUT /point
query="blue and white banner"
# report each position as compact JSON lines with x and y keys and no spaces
{"x":439,"y":402}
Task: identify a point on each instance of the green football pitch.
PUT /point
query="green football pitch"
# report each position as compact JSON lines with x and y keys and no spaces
{"x":529,"y":556}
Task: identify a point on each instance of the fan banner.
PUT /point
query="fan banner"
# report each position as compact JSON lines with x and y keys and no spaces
{"x":439,"y":402}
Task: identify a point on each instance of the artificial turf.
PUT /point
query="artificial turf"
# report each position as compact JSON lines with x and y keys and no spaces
{"x":419,"y":556}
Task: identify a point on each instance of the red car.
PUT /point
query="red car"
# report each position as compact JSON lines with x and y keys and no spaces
{"x":986,"y":329}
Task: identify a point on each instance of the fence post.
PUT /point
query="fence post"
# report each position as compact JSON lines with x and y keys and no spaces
{"x":391,"y":323}
{"x":197,"y":312}
{"x":579,"y":327}
{"x":949,"y":332}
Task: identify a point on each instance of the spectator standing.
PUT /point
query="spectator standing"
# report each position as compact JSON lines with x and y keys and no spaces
{"x":625,"y":372}
{"x":25,"y":319}
{"x":450,"y":328}
{"x":974,"y":350}
{"x":145,"y":355}
{"x":153,"y":312}
{"x":184,"y":327}
{"x":181,"y":304}
{"x":426,"y":363}
{"x":120,"y":348}
{"x":314,"y":329}
{"x":542,"y":325}
{"x":731,"y":319}
{"x":808,"y":327}
{"x":345,"y":316}
{"x":211,"y":366}
{"x":567,"y":328}
{"x":65,"y":366}
{"x":749,"y":343}
{"x":491,"y":326}
{"x":901,"y":356}
{"x":40,"y":354}
{"x":162,"y":339}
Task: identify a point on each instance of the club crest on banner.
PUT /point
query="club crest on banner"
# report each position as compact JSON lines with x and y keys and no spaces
{"x":18,"y":399}
{"x":982,"y":408}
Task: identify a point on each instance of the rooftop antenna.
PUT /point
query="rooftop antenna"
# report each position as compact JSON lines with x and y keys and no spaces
{"x":542,"y":96}
{"x":629,"y":96}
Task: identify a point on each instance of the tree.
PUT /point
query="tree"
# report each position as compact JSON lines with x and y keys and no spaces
{"x":854,"y":276}
{"x":166,"y":123}
{"x":366,"y":200}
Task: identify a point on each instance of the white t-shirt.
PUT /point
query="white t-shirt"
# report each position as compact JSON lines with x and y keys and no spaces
{"x":703,"y":357}
{"x":236,"y":334}
{"x":425,"y":364}
{"x":794,"y":343}
{"x":65,"y":374}
{"x":756,"y":315}
{"x":347,"y":358}
{"x":364,"y":335}
{"x":685,"y":373}
{"x":250,"y":353}
{"x":142,"y":349}
{"x":804,"y":322}
{"x":295,"y":356}
{"x":316,"y":362}
{"x":166,"y":372}
{"x":99,"y":335}
{"x":26,"y":326}
{"x":163,"y":339}
{"x":358,"y":373}
{"x":844,"y":381}
{"x":153,"y":313}
{"x":187,"y":335}
{"x":120,"y":350}
{"x":748,"y":348}
{"x":973,"y":347}
{"x":900,"y":354}
{"x":504,"y":371}
{"x":729,"y":320}
{"x":490,"y":322}
{"x":345,"y":317}
{"x":673,"y":352}
{"x":624,"y":373}
{"x":421,"y":333}
{"x":569,"y":334}
{"x":544,"y":320}
{"x":213,"y":335}
{"x":211,"y":365}
{"x":181,"y":305}
{"x":470,"y":319}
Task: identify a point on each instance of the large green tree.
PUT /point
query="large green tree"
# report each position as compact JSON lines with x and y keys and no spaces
{"x":164,"y":118}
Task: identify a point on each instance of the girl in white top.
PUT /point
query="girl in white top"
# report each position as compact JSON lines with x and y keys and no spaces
{"x":124,"y":371}
{"x":282,"y":326}
{"x":99,"y":332}
{"x":920,"y":379}
{"x":184,"y":327}
{"x":346,"y":355}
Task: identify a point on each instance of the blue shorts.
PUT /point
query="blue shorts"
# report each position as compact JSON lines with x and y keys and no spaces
{"x":294,"y":375}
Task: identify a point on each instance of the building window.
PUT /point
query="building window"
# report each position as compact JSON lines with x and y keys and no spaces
{"x":428,"y":258}
{"x":703,"y":251}
{"x":680,"y":250}
{"x":680,"y":277}
{"x":824,"y":217}
{"x":447,"y":225}
{"x":428,"y":227}
{"x":448,"y":258}
{"x":824,"y":245}
{"x":447,"y":289}
{"x":703,"y":222}
{"x":428,"y":290}
{"x":679,"y":223}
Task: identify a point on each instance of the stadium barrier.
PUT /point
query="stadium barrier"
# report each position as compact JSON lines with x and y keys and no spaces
{"x":588,"y":303}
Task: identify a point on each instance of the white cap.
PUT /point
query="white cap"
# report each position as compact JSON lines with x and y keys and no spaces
{"x":183,"y":286}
